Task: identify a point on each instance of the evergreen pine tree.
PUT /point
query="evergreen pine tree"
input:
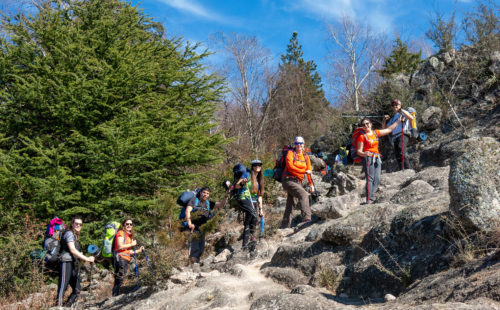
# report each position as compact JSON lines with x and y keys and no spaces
{"x":401,"y":60}
{"x":99,"y":111}
{"x":299,"y":103}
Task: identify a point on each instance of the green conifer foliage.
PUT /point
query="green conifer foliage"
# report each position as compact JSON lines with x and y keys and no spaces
{"x":401,"y":60}
{"x":99,"y":111}
{"x":299,"y":104}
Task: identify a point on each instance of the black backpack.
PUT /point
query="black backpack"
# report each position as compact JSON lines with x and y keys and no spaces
{"x":52,"y":240}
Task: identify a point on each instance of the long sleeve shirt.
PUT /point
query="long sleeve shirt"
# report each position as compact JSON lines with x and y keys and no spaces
{"x":297,"y":163}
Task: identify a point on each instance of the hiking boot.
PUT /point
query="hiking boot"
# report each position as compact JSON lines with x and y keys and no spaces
{"x":71,"y":300}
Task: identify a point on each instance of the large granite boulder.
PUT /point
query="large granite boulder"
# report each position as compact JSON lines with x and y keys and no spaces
{"x":353,"y":227}
{"x":475,"y":183}
{"x":335,"y":207}
{"x":431,"y":118}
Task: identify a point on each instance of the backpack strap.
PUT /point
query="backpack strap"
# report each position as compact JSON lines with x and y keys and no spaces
{"x":196,"y":203}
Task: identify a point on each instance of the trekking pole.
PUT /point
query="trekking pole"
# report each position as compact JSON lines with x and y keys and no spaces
{"x":92,"y":249}
{"x":136,"y":269}
{"x":403,"y":145}
{"x":190,"y":239}
{"x":367,"y":182}
{"x":361,"y":116}
{"x":147,"y":260}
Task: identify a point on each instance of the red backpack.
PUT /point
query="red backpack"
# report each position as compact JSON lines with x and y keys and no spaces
{"x":354,"y":150}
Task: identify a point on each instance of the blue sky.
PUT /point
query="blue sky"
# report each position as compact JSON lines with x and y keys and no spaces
{"x":273,"y":21}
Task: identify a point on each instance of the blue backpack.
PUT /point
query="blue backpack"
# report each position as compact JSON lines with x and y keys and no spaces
{"x":240,"y":171}
{"x":184,"y":199}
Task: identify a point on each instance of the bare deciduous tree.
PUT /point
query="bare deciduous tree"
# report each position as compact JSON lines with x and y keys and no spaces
{"x":251,"y":83}
{"x":356,"y":54}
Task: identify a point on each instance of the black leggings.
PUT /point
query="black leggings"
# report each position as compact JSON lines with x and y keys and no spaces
{"x":121,"y":268}
{"x":400,"y":151}
{"x":68,"y":274}
{"x":250,"y":222}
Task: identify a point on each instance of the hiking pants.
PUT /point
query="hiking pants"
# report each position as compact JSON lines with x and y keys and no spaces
{"x":250,"y":222}
{"x":295,"y":192}
{"x":197,"y":245}
{"x":372,"y":171}
{"x":121,"y":269}
{"x":399,"y":147}
{"x":68,"y":274}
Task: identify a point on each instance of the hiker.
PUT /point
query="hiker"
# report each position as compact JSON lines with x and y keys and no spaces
{"x":367,"y":149}
{"x":399,"y":141}
{"x":123,"y":253}
{"x":297,"y":164}
{"x":69,"y":267}
{"x":201,"y":214}
{"x":249,"y":189}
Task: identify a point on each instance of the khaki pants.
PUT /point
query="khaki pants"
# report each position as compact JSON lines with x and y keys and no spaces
{"x":295,"y":192}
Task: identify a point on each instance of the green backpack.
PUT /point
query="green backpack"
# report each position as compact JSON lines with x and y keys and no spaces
{"x":109,"y":234}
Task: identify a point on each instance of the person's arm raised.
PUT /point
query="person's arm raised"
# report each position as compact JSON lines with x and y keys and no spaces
{"x":388,"y":130}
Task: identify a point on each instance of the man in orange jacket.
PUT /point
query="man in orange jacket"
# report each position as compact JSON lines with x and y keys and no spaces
{"x":297,"y":165}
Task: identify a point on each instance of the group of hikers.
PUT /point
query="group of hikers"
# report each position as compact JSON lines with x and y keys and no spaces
{"x":71,"y":253}
{"x":246,"y":192}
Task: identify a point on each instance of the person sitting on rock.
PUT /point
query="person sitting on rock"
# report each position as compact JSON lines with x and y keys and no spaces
{"x":367,"y":149}
{"x":399,"y":141}
{"x":298,"y":164}
{"x":197,"y":214}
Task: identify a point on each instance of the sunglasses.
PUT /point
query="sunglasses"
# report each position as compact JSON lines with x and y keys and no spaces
{"x":395,"y":104}
{"x":129,"y":224}
{"x":257,"y":165}
{"x":299,"y":143}
{"x":77,"y":224}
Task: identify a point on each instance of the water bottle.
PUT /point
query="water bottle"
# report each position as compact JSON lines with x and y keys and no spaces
{"x":262,"y":225}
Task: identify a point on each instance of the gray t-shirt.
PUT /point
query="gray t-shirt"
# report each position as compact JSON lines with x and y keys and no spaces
{"x":68,"y":237}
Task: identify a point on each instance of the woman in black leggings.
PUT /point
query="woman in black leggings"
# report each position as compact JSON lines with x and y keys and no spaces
{"x":68,"y":270}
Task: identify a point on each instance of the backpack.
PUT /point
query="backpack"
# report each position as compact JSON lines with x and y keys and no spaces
{"x":240,"y":171}
{"x":354,"y":151}
{"x":52,"y":240}
{"x":108,"y":242}
{"x":184,"y":199}
{"x":413,"y":132}
{"x":280,"y":165}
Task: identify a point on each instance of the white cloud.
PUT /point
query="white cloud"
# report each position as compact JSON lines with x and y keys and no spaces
{"x":377,"y":13}
{"x":192,"y":7}
{"x":326,"y":8}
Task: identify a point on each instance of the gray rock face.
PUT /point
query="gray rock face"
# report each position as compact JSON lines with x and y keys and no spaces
{"x":495,"y":63}
{"x":346,"y":230}
{"x":475,"y":183}
{"x":413,"y":192}
{"x":335,"y":207}
{"x":284,"y":301}
{"x":341,"y":183}
{"x":396,"y":179}
{"x":302,"y":256}
{"x":317,"y":163}
{"x":435,"y":176}
{"x":470,"y":282}
{"x":431,"y":118}
{"x":370,"y":276}
{"x":289,"y":277}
